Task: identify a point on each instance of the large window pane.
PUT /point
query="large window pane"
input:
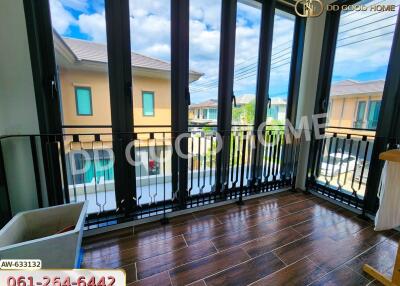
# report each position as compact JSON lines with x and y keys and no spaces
{"x":361,"y":60}
{"x":248,"y":21}
{"x":280,"y":67}
{"x":204,"y":45}
{"x":81,"y":55}
{"x":150,"y":32}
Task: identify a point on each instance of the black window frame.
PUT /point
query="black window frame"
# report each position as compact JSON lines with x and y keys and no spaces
{"x":120,"y":81}
{"x":76,"y":88}
{"x":388,"y":122}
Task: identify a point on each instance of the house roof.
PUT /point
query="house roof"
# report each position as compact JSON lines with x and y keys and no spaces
{"x":240,"y":100}
{"x":244,"y":99}
{"x":349,"y":87}
{"x":86,"y":51}
{"x":207,"y":103}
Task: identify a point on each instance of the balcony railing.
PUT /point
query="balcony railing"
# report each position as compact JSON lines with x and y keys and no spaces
{"x":342,"y":164}
{"x":84,"y":165}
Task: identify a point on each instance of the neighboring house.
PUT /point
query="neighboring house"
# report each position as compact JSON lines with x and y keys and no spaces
{"x":85,"y":88}
{"x":277,"y":112}
{"x":206,"y":112}
{"x":85,"y":99}
{"x":355,"y":104}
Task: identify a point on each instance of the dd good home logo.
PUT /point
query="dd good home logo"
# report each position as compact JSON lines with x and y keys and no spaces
{"x":309,"y":8}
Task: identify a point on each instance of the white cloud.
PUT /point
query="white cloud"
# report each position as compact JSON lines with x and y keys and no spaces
{"x":60,"y":17}
{"x":93,"y":25}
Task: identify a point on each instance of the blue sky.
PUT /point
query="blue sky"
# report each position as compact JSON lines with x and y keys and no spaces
{"x":150,"y":35}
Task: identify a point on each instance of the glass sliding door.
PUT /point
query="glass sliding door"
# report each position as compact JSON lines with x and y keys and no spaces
{"x":280,"y":67}
{"x":361,"y":60}
{"x":80,"y":41}
{"x":150,"y":33}
{"x":248,"y":21}
{"x":204,"y":52}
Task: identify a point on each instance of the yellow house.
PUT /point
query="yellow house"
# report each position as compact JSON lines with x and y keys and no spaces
{"x":85,"y":98}
{"x":355,"y":104}
{"x":83,"y":78}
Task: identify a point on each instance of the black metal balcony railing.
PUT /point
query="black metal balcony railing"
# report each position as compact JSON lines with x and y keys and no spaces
{"x":341,"y":166}
{"x":85,"y":168}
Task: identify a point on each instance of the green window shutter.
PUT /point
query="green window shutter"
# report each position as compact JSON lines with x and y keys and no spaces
{"x":83,"y":97}
{"x":148,"y":103}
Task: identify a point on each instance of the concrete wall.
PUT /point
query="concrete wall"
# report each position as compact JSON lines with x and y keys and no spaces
{"x":18,"y":114}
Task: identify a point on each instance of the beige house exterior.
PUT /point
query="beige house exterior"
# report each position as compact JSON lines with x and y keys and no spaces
{"x":84,"y":64}
{"x":355,"y":104}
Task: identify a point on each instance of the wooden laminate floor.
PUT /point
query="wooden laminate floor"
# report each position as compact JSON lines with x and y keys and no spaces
{"x":283,"y":239}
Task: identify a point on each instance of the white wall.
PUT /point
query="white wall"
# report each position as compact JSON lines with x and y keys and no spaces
{"x":308,"y":85}
{"x":18,"y":114}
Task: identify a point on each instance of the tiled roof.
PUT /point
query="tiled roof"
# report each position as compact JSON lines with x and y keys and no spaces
{"x":97,"y":52}
{"x":244,"y":99}
{"x":240,"y":100}
{"x":208,"y":103}
{"x":348,"y":87}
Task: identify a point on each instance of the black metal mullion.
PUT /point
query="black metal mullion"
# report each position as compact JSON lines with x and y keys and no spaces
{"x":225,"y":87}
{"x":263,"y":78}
{"x":120,"y":78}
{"x":295,"y":68}
{"x":180,"y":93}
{"x":5,"y":204}
{"x":44,"y":72}
{"x":388,"y":122}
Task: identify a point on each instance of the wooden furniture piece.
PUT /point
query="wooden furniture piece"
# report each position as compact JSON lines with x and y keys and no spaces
{"x":392,"y":156}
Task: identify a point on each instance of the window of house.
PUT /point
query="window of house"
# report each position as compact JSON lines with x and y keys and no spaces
{"x":273,"y":112}
{"x":83,"y":97}
{"x":373,"y":114}
{"x":148,"y":103}
{"x":360,"y":114}
{"x":212,"y":113}
{"x":205,"y":113}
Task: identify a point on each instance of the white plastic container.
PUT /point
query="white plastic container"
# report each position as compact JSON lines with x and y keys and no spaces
{"x":33,"y":235}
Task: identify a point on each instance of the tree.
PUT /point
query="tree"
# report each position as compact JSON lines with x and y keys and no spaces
{"x":244,"y":114}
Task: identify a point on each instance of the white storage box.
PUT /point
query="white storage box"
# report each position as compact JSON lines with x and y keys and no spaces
{"x":33,"y":235}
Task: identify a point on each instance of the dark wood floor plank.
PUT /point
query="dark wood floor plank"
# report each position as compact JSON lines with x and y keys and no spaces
{"x":263,"y":229}
{"x":174,"y":259}
{"x":301,"y":248}
{"x":248,"y":272}
{"x":198,"y":283}
{"x":300,"y":273}
{"x":326,"y":219}
{"x":298,"y":206}
{"x":249,"y":210}
{"x":381,"y":257}
{"x":343,"y":276}
{"x":282,"y":239}
{"x":268,"y":243}
{"x":161,"y":279}
{"x":117,"y":257}
{"x":208,"y":266}
{"x":337,"y":253}
{"x":229,"y":228}
{"x":130,"y":271}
